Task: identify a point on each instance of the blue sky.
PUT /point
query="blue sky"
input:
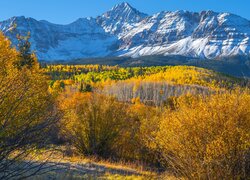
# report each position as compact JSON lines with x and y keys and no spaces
{"x":66,"y":11}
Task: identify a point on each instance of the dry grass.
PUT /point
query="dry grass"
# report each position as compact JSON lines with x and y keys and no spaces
{"x":74,"y":166}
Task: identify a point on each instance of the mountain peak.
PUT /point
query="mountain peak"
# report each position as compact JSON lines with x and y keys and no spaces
{"x":122,"y":5}
{"x":124,"y":12}
{"x":116,"y":19}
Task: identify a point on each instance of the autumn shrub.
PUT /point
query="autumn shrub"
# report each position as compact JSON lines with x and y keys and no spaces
{"x":27,"y":110}
{"x":206,"y":138}
{"x":100,"y":125}
{"x":93,"y":123}
{"x":131,"y":145}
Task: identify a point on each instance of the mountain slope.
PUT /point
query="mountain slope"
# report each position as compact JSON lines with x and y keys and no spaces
{"x":82,"y":38}
{"x":204,"y":35}
{"x":124,"y":31}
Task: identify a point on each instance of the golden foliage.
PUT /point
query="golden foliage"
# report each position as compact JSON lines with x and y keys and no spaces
{"x":93,"y":122}
{"x":192,"y":76}
{"x":26,"y":107}
{"x":207,"y":138}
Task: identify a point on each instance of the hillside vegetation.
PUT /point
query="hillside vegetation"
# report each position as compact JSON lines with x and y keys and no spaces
{"x":235,"y":66}
{"x":175,"y":121}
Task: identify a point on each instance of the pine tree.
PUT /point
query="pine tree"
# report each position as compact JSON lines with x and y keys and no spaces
{"x":25,"y":58}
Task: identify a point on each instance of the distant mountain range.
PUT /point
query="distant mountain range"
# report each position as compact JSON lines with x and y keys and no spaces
{"x":125,"y":31}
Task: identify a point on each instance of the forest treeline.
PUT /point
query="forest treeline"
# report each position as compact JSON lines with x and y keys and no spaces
{"x":189,"y":121}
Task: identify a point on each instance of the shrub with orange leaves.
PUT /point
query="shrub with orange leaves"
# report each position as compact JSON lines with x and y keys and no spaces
{"x":207,"y":138}
{"x":93,"y":122}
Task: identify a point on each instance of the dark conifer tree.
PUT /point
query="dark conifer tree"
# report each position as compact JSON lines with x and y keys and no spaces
{"x":26,"y":57}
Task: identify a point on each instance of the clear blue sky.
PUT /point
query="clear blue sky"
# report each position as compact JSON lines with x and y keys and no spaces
{"x":66,"y":11}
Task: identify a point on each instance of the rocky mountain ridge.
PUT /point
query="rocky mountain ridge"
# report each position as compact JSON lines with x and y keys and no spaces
{"x":125,"y":31}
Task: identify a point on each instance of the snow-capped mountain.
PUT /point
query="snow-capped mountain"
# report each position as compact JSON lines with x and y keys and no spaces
{"x":82,"y":38}
{"x":204,"y":35}
{"x":124,"y":31}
